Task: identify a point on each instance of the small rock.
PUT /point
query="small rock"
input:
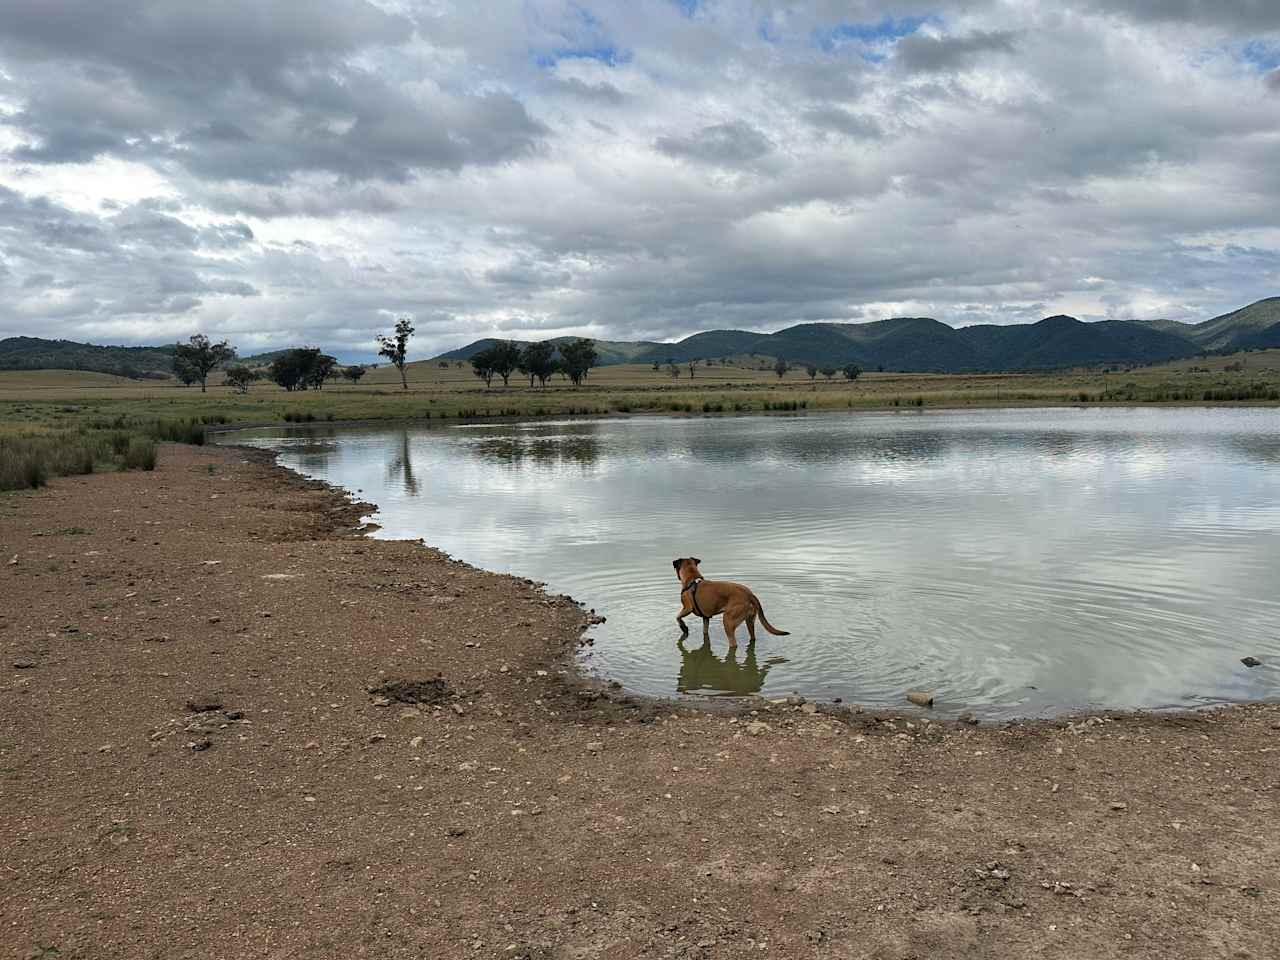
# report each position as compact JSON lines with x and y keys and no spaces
{"x":1251,"y":661}
{"x":311,"y":745}
{"x":1118,"y":805}
{"x":204,"y":703}
{"x":24,"y":664}
{"x":13,"y":561}
{"x":456,"y":832}
{"x":968,"y":718}
{"x":377,"y":737}
{"x":233,"y":714}
{"x":106,"y":748}
{"x":920,"y":698}
{"x":457,"y":708}
{"x":809,"y":708}
{"x":595,"y":746}
{"x":415,"y":743}
{"x":204,"y":743}
{"x":757,"y":727}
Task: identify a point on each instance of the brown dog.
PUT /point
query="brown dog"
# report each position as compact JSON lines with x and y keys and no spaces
{"x":707,"y":598}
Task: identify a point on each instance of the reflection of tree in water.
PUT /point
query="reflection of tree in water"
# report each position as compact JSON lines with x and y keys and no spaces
{"x":400,"y":466}
{"x":701,"y":669}
{"x":544,"y":451}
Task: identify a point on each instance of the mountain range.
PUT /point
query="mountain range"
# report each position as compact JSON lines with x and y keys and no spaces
{"x":926,"y":345}
{"x":902,"y":344}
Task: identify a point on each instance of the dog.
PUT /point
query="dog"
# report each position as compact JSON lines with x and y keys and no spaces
{"x":707,"y":598}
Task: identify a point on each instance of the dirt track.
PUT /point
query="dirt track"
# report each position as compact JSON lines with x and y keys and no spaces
{"x":516,"y":812}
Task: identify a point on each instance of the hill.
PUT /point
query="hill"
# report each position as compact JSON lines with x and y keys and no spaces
{"x":1237,"y":330}
{"x":34,"y":353}
{"x":916,"y":344}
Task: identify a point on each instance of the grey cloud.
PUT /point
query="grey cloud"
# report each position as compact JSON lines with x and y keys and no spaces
{"x":733,"y":144}
{"x":1232,"y":14}
{"x":1273,"y":80}
{"x":602,"y":92}
{"x":242,"y":90}
{"x":925,"y":54}
{"x":842,"y":121}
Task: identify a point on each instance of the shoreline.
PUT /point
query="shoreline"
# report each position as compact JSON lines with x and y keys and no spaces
{"x":238,"y":722}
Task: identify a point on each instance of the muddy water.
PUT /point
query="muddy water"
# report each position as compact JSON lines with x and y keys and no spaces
{"x":1012,"y":562}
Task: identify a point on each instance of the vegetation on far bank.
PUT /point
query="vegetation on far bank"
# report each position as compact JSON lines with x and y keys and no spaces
{"x":54,"y":423}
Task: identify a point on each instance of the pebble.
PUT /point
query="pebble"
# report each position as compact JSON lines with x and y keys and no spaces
{"x":595,"y":746}
{"x":1251,"y":661}
{"x":415,"y":742}
{"x":24,"y":664}
{"x":968,"y":718}
{"x":377,"y":737}
{"x":1117,"y":805}
{"x":204,"y":703}
{"x":757,"y":727}
{"x":202,"y":744}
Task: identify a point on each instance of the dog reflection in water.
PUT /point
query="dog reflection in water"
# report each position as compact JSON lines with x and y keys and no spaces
{"x":701,"y":669}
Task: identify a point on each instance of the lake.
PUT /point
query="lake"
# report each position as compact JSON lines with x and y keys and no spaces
{"x":1013,"y":562}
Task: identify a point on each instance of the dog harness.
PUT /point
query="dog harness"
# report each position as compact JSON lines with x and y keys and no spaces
{"x":692,"y":590}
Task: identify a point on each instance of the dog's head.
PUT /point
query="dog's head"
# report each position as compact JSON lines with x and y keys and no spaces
{"x":680,"y":564}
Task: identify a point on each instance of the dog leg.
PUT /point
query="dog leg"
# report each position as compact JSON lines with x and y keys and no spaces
{"x":706,"y":628}
{"x":730,"y":622}
{"x":751,"y":626}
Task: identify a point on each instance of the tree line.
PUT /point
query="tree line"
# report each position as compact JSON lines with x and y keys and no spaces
{"x":537,"y":361}
{"x":307,"y":368}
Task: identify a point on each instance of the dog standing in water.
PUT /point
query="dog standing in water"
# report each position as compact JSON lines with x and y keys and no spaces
{"x":706,"y":598}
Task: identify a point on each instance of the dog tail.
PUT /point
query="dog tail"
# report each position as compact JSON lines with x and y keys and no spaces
{"x":755,"y":601}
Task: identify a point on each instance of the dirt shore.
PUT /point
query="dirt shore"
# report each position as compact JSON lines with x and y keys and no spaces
{"x":231,"y":727}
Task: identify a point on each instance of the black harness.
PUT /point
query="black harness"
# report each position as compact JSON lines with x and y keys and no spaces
{"x":691,"y":588}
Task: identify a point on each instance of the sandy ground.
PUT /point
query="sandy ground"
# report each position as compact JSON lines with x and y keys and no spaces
{"x":192,"y":764}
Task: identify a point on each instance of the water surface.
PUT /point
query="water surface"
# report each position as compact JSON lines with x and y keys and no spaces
{"x":1014,"y":562}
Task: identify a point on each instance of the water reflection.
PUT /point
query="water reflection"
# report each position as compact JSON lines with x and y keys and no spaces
{"x":1010,"y":561}
{"x":400,"y":466}
{"x":701,"y":669}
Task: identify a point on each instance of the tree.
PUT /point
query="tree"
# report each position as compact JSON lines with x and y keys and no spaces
{"x":780,"y":368}
{"x":656,"y":366}
{"x":396,"y":349}
{"x":295,"y":369}
{"x":506,"y":358}
{"x":673,"y":369}
{"x":482,"y":365}
{"x":539,"y":360}
{"x":828,"y":372}
{"x":240,"y":377}
{"x":812,"y":371}
{"x":199,"y":356}
{"x":322,"y":368}
{"x":182,"y":370}
{"x":692,"y":366}
{"x":354,"y":372}
{"x":578,"y":357}
{"x":852,"y":372}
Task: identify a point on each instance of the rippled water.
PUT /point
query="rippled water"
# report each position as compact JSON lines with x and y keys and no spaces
{"x":1014,"y":562}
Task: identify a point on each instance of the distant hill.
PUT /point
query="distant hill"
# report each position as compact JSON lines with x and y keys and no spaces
{"x":1233,"y":331}
{"x":917,"y":344}
{"x":34,"y":353}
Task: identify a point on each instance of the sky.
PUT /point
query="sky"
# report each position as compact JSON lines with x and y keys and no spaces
{"x":306,"y":171}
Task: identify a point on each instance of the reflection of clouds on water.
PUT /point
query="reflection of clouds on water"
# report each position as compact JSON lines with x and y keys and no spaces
{"x":1100,"y":556}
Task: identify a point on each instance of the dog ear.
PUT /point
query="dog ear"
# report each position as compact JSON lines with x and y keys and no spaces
{"x":695,"y":559}
{"x":676,"y":563}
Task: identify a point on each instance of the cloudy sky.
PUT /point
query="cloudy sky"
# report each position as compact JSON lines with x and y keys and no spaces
{"x":305,"y":170}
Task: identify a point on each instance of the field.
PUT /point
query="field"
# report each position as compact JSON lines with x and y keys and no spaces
{"x":78,"y":408}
